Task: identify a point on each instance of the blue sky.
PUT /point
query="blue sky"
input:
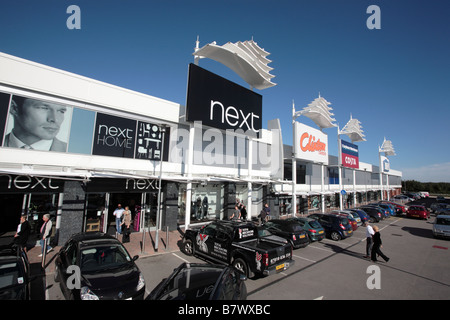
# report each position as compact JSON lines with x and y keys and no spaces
{"x":394,"y":80}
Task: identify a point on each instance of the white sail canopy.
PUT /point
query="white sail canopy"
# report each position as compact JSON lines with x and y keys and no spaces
{"x":319,"y":112}
{"x":353,"y":130}
{"x":246,"y":58}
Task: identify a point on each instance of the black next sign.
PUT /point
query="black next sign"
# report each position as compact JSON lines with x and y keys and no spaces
{"x":220,"y":103}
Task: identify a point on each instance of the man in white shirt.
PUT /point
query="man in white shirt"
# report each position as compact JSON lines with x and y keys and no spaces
{"x":36,"y":124}
{"x":369,"y":241}
{"x":118,"y":214}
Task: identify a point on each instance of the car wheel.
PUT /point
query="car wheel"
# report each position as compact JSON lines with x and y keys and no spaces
{"x":188,"y":247}
{"x":335,"y":236}
{"x":241,"y":266}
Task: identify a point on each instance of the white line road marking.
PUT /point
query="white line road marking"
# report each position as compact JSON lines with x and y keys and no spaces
{"x":304,"y":258}
{"x":180,"y":258}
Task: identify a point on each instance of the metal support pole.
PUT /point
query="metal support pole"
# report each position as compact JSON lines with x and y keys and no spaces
{"x":158,"y":216}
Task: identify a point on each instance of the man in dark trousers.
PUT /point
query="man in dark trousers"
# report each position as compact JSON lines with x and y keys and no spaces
{"x":23,"y":231}
{"x":377,"y":245}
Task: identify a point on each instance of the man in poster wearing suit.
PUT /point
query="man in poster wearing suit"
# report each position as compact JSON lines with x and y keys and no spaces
{"x":36,"y":124}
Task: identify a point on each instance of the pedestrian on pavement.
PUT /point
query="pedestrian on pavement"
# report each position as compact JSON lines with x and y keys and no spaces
{"x":236,"y":213}
{"x":118,"y":214}
{"x":22,"y":233}
{"x":267,"y":210}
{"x":126,"y":225}
{"x":377,"y":245}
{"x":369,"y":240}
{"x":45,"y":234}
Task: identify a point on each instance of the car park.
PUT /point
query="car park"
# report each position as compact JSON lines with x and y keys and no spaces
{"x":441,"y":226}
{"x":400,"y":209}
{"x":290,"y":230}
{"x":107,"y":272}
{"x":362,"y":215}
{"x":193,"y":281}
{"x":315,"y":231}
{"x":14,"y":274}
{"x":336,"y":227}
{"x":240,"y":244}
{"x":417,"y":211}
{"x":350,"y":218}
{"x":374,"y":214}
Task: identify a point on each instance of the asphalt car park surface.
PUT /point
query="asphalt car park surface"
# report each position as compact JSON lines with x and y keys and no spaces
{"x":335,"y":270}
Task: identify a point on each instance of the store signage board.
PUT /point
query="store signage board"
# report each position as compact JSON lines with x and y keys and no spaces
{"x":310,"y":144}
{"x":222,"y":104}
{"x":350,"y":155}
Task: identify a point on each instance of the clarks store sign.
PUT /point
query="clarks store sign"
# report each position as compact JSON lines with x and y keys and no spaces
{"x":25,"y":184}
{"x":220,"y":103}
{"x":310,"y":144}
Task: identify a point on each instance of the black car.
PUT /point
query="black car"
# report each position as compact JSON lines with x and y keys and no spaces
{"x":336,"y":227}
{"x":105,"y":269}
{"x":191,"y":281}
{"x":375,"y":214}
{"x":290,"y":230}
{"x":14,"y":274}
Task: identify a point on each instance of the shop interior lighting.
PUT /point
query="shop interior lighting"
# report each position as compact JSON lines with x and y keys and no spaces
{"x":246,"y":58}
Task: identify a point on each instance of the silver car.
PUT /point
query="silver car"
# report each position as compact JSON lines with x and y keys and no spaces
{"x":441,"y":226}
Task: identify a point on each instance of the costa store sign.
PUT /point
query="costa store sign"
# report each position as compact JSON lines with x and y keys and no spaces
{"x":349,"y":155}
{"x":222,"y":104}
{"x":310,"y":144}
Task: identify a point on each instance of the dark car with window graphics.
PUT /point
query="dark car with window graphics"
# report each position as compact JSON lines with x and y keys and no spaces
{"x":241,"y":244}
{"x":290,"y":230}
{"x":107,"y":272}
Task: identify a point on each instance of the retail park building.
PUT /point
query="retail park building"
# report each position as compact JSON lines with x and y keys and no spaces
{"x":110,"y":142}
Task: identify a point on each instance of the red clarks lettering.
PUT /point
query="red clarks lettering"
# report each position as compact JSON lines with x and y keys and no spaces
{"x":308,"y":143}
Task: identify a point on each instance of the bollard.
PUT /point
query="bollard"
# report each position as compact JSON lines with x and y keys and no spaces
{"x":167,"y":238}
{"x":44,"y":253}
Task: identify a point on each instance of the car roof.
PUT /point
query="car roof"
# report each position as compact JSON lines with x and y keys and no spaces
{"x":93,"y":237}
{"x":445,"y":216}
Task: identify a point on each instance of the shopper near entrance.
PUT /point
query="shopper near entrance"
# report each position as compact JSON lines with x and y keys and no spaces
{"x":46,"y":232}
{"x":369,"y":241}
{"x":126,"y":225}
{"x":267,"y":210}
{"x":118,"y":214}
{"x":36,"y":124}
{"x":236,"y":213}
{"x":377,"y":245}
{"x":23,"y":232}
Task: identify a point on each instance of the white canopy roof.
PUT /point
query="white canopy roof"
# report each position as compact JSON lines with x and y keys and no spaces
{"x":246,"y":58}
{"x":353,"y":130}
{"x":319,"y":112}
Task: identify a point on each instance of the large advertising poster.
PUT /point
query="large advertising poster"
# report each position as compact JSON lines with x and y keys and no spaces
{"x":310,"y":144}
{"x":349,"y":155}
{"x":37,"y":124}
{"x":149,"y":142}
{"x":220,"y":103}
{"x":114,"y":136}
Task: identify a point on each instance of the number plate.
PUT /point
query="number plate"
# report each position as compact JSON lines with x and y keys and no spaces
{"x":280,"y":267}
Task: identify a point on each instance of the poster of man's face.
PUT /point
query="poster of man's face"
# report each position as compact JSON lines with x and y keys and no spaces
{"x":37,"y":124}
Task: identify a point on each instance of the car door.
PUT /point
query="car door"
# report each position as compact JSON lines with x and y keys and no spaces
{"x":67,"y":257}
{"x":222,"y":242}
{"x":325,"y":221}
{"x":204,"y":242}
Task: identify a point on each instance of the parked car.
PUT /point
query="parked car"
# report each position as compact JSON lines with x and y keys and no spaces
{"x":418,"y":212}
{"x":353,"y":215}
{"x":373,"y":213}
{"x":403,"y":198}
{"x":14,"y":274}
{"x":384,"y":212}
{"x":107,"y":272}
{"x":362,"y":214}
{"x":315,"y":231}
{"x":441,"y":226}
{"x":350,"y":218}
{"x":290,"y":230}
{"x":240,"y":244}
{"x":435,"y":206}
{"x":192,"y":281}
{"x":443,"y":210}
{"x":336,"y":227}
{"x":400,"y":208}
{"x":388,"y":208}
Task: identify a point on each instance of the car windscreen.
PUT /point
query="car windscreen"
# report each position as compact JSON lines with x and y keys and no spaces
{"x":344,"y":221}
{"x":10,"y":274}
{"x":191,"y":284}
{"x":443,"y":221}
{"x":294,"y":227}
{"x":103,"y":257}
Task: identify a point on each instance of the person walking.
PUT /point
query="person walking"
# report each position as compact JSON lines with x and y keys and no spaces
{"x":46,"y":232}
{"x":23,"y":231}
{"x":377,"y":245}
{"x":118,"y":214}
{"x":126,"y":225}
{"x":236,"y":213}
{"x":369,"y":240}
